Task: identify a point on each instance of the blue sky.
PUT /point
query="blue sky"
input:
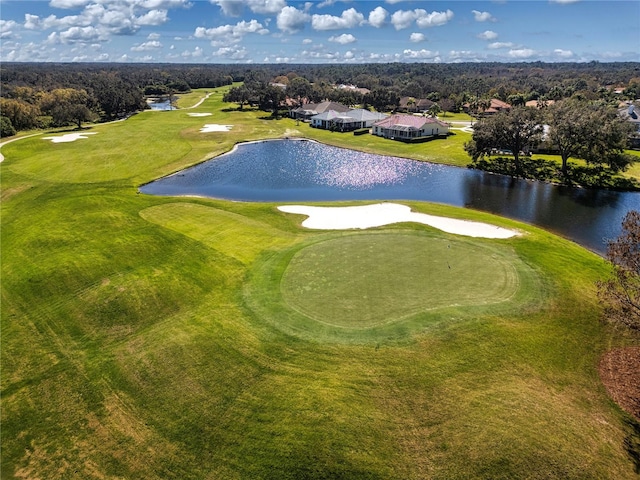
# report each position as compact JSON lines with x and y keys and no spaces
{"x":329,"y":31}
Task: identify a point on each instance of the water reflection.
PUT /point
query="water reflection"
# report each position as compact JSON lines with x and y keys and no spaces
{"x":297,"y":171}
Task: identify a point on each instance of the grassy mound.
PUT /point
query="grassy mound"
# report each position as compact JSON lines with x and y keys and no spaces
{"x":142,"y":336}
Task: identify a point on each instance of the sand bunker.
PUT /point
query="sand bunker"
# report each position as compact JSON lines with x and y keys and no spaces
{"x":214,"y":127}
{"x":204,"y":114}
{"x":68,"y":137}
{"x":368,"y":216}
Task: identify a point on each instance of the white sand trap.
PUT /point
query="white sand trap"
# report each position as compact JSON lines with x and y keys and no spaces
{"x":68,"y":137}
{"x":214,"y":127}
{"x":204,"y":114}
{"x":368,"y":216}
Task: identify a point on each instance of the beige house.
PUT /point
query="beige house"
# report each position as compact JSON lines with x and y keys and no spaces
{"x":409,"y":127}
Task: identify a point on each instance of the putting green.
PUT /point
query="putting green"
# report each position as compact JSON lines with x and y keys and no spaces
{"x":363,"y":285}
{"x":374,"y":279}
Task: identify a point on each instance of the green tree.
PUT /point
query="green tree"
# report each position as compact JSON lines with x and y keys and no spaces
{"x":516,"y":130}
{"x":23,"y":115}
{"x":68,"y":106}
{"x":299,"y":89}
{"x":6,"y":128}
{"x":271,"y":98}
{"x":587,"y":130}
{"x":434,"y":110}
{"x":620,"y":294}
{"x":239,"y":95}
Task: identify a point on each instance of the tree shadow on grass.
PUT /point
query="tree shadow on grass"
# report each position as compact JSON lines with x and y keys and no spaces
{"x":632,"y":442}
{"x":585,"y":176}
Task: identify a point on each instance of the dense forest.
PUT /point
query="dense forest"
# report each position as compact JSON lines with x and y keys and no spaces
{"x":40,"y":95}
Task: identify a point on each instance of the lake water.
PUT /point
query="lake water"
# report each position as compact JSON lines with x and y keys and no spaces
{"x":305,"y":171}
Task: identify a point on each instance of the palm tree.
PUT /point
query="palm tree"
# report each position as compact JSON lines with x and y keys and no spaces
{"x":434,"y":110}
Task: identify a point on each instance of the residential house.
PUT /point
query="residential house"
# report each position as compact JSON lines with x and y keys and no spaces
{"x":308,"y":110}
{"x":539,"y":103}
{"x":631,"y":113}
{"x":494,"y":107}
{"x":411,"y":104}
{"x":409,"y":127}
{"x":346,"y":121}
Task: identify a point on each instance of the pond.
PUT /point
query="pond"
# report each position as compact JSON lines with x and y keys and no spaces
{"x":304,"y":171}
{"x":160,"y":104}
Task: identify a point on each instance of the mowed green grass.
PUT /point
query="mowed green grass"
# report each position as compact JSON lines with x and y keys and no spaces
{"x":132,"y":346}
{"x":374,"y":279}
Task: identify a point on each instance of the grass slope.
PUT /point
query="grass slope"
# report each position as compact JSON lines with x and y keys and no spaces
{"x":129,"y":349}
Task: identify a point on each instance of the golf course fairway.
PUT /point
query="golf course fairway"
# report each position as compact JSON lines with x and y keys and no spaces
{"x":192,"y":338}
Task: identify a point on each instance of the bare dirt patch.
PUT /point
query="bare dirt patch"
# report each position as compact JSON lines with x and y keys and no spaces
{"x":620,"y":374}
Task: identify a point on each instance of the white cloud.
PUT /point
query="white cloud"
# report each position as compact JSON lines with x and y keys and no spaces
{"x":419,"y":53}
{"x":266,"y":7}
{"x":405,"y":18}
{"x":197,"y":52}
{"x":108,"y":18}
{"x":349,"y":19}
{"x":230,"y":33}
{"x":77,"y":34}
{"x":7,"y":28}
{"x":496,"y":45}
{"x":307,"y":41}
{"x":563,"y":53}
{"x":153,"y":36}
{"x":433,"y":19}
{"x":147,"y":46}
{"x":392,"y":2}
{"x":522,"y":53}
{"x":161,"y":4}
{"x":32,"y":22}
{"x":482,"y":16}
{"x":343,"y":39}
{"x":67,"y":4}
{"x":153,"y":17}
{"x":378,"y":17}
{"x":349,"y":55}
{"x":232,"y":53}
{"x":488,"y":35}
{"x":417,"y":37}
{"x":232,"y":8}
{"x":292,"y":20}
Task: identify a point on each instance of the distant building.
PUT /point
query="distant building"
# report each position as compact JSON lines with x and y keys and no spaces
{"x":411,"y":104}
{"x":539,"y":103}
{"x":308,"y":110}
{"x":408,"y":127}
{"x":630,"y":111}
{"x":353,"y":88}
{"x":494,"y":107}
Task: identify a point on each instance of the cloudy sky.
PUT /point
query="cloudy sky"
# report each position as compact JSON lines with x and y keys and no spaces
{"x":329,"y":31}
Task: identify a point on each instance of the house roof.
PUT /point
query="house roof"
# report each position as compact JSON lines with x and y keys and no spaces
{"x":400,"y":121}
{"x":536,"y":103}
{"x":356,"y":115}
{"x":362,"y":115}
{"x":316,"y":108}
{"x":329,"y":115}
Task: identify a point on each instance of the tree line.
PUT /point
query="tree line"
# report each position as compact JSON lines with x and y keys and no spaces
{"x":107,"y":91}
{"x":55,"y":95}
